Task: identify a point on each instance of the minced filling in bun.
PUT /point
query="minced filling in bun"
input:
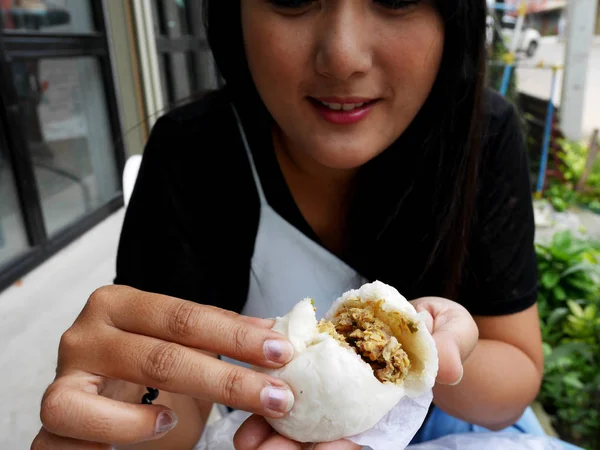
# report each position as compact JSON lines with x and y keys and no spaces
{"x":374,"y":334}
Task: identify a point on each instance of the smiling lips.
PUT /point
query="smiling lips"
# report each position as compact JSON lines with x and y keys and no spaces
{"x":343,"y":111}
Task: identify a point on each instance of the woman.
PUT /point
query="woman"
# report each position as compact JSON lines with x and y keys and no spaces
{"x":353,"y":141}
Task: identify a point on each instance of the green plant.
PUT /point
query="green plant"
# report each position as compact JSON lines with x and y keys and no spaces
{"x":573,"y":155}
{"x":561,"y":196}
{"x":568,"y":269}
{"x":569,"y":392}
{"x":561,"y":193}
{"x":569,"y":308}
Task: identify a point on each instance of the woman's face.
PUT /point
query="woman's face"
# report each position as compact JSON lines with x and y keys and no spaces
{"x":342,"y":78}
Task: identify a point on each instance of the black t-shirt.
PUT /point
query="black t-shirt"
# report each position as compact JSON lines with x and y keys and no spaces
{"x":190,"y":226}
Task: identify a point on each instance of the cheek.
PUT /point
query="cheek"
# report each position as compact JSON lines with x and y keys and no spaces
{"x":413,"y":57}
{"x":275,"y":53}
{"x":410,"y":62}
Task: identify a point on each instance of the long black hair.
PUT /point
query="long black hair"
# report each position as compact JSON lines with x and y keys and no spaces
{"x":431,"y":170}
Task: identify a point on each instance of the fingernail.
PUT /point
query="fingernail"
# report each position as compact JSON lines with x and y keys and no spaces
{"x":278,"y":351}
{"x":277,"y":399}
{"x":166,"y":421}
{"x":462,"y":372}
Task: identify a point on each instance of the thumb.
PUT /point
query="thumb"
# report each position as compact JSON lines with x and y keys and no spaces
{"x":450,"y":364}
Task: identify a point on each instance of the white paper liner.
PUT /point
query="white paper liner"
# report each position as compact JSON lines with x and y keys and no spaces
{"x":393,"y":432}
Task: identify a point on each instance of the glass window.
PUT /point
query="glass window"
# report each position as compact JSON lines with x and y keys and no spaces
{"x":13,"y":240}
{"x":183,"y":74}
{"x":66,"y":124}
{"x":172,"y":18}
{"x":50,"y":16}
{"x":179,"y":78}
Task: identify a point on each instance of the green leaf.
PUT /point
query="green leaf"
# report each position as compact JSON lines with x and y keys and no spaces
{"x":560,"y":255}
{"x":550,"y":279}
{"x":581,"y":267}
{"x":575,"y":308}
{"x":559,"y":292}
{"x":562,"y":240}
{"x":571,"y":379}
{"x":559,"y":204}
{"x":547,"y":349}
{"x":568,"y":349}
{"x":556,"y":315}
{"x":587,"y":286}
{"x":589,"y":312}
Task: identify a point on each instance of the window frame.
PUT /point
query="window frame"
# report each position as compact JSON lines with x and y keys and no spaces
{"x":26,"y":44}
{"x":193,"y":44}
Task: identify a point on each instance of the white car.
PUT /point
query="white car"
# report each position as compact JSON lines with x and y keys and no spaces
{"x":529,"y":39}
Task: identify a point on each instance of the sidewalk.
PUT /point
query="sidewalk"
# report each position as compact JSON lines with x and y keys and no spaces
{"x":34,"y":315}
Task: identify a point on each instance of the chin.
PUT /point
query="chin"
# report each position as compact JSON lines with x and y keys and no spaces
{"x":348,"y":157}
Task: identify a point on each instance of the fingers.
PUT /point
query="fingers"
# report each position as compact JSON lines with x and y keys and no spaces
{"x":338,"y":445}
{"x":253,"y":432}
{"x":47,"y":441}
{"x":174,"y":368}
{"x":73,"y":413}
{"x":256,"y":434}
{"x":454,"y":332}
{"x":278,"y":442}
{"x":204,"y":327}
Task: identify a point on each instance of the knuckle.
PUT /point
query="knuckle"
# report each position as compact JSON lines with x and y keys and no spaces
{"x":69,"y":341}
{"x":39,"y":443}
{"x":183,"y":321}
{"x":231,"y":385}
{"x":54,"y":406}
{"x":239,"y":337}
{"x":100,"y":298}
{"x":161,"y":363}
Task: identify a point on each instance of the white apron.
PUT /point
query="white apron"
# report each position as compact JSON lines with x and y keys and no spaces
{"x":288,"y":266}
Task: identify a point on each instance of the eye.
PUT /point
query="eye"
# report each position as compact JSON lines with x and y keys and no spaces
{"x":397,"y":4}
{"x":291,"y":4}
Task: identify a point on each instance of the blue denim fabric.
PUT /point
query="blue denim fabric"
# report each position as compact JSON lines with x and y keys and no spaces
{"x":440,"y":424}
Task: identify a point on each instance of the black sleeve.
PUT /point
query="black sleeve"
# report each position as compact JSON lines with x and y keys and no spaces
{"x":501,"y":275}
{"x":158,"y":244}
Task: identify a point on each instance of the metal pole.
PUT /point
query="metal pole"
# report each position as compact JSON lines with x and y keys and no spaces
{"x":506,"y":78}
{"x":547,"y":134}
{"x":514,"y":46}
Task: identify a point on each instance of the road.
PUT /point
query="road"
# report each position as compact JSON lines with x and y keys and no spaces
{"x":538,"y":81}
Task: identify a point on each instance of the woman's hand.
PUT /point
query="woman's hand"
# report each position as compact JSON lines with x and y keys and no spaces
{"x":455,"y":334}
{"x":256,"y":434}
{"x":124,"y":334}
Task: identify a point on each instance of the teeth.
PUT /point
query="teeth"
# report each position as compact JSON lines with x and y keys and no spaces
{"x":343,"y":106}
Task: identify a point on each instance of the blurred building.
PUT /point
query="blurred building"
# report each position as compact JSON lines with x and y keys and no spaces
{"x":81,"y":82}
{"x":549,"y":17}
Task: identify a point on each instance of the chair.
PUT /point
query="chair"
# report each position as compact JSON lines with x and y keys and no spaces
{"x":132,"y":167}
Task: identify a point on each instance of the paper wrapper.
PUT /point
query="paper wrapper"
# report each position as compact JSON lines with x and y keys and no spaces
{"x":393,"y":432}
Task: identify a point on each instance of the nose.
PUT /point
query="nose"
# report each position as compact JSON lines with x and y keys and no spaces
{"x":343,"y":50}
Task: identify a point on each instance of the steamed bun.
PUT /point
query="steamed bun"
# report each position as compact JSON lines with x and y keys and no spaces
{"x":352,"y":367}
